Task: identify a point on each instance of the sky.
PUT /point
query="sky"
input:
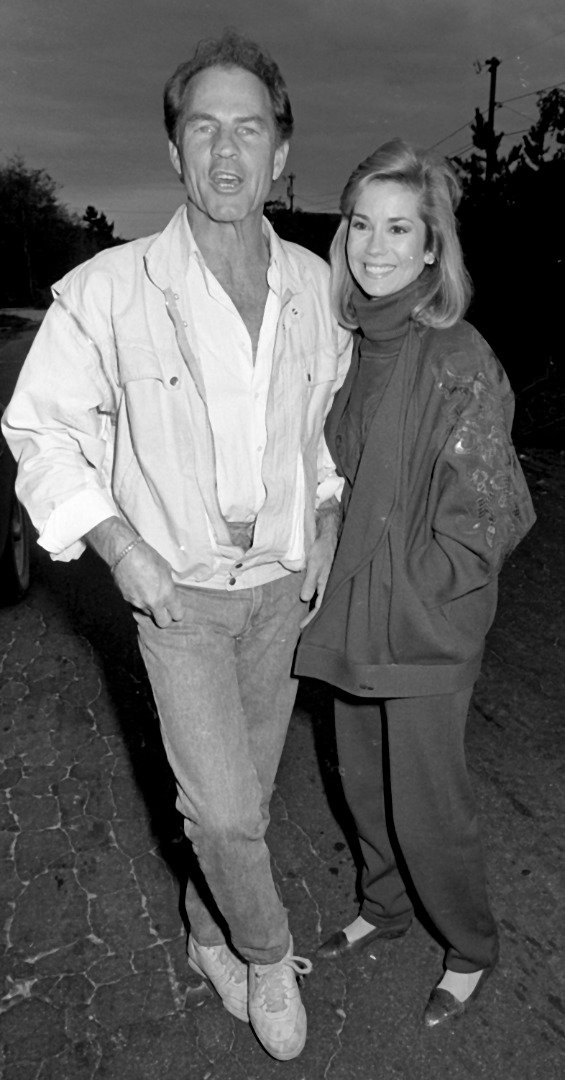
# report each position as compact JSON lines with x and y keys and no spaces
{"x":81,"y":85}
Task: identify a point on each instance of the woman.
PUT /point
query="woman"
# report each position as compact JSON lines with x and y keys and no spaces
{"x":434,"y":498}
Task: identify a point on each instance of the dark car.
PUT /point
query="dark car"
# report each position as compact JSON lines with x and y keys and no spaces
{"x":15,"y":532}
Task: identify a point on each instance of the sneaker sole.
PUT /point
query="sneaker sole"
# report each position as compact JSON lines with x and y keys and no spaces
{"x":279,"y":1056}
{"x":239,"y":1013}
{"x":274,"y":1053}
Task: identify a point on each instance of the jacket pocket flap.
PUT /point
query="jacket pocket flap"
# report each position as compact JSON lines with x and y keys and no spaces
{"x":136,"y":363}
{"x":320,"y":365}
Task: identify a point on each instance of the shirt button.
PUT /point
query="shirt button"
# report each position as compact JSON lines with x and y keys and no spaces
{"x":238,"y":565}
{"x":232,"y":581}
{"x":176,"y":296}
{"x":174,"y":380}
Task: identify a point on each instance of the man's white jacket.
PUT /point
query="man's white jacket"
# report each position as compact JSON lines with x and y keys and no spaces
{"x":109,"y":415}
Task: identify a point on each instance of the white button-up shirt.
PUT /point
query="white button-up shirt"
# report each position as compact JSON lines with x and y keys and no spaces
{"x":236,"y":386}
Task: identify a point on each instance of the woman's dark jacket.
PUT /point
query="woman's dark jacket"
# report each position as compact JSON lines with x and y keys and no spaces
{"x":438,"y":501}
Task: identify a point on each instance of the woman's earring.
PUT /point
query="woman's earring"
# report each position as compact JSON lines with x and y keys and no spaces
{"x":429,"y":258}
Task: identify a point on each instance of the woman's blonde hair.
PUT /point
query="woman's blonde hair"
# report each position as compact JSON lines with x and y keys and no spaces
{"x":434,"y":182}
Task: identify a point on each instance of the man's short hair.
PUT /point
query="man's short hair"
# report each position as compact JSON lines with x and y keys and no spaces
{"x":231,"y":50}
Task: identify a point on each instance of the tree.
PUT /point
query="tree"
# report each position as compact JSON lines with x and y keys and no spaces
{"x":513,"y":235}
{"x":39,"y":238}
{"x":35,"y":231}
{"x":274,"y":206}
{"x":98,"y":228}
{"x":541,"y":146}
{"x":547,"y":135}
{"x":473,"y":170}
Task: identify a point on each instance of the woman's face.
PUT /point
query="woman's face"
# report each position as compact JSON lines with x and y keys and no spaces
{"x":386,"y":238}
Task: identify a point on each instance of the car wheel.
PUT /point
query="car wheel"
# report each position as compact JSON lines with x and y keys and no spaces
{"x":14,"y":561}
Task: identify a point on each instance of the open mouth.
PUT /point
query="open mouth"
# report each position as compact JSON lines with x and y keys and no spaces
{"x":225,"y":181}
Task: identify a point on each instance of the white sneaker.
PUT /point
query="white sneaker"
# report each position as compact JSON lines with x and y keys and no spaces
{"x":224,"y":971}
{"x":276,"y":1012}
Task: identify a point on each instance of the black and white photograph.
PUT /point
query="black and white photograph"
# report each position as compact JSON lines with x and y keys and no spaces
{"x":282,"y":515}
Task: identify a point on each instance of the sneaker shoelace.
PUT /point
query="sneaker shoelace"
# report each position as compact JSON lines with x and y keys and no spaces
{"x":276,"y":983}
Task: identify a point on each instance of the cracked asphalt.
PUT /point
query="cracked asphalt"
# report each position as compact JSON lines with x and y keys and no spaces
{"x":95,"y":982}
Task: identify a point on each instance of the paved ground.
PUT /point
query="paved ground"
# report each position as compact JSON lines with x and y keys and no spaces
{"x":94,"y":976}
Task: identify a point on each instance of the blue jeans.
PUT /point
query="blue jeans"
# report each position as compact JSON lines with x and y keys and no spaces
{"x":222,"y":685}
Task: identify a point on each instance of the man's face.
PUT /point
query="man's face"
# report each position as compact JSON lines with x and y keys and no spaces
{"x":228,"y":154}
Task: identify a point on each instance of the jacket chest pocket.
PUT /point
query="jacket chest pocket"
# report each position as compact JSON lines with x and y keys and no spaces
{"x":319,"y":365}
{"x":138,"y":365}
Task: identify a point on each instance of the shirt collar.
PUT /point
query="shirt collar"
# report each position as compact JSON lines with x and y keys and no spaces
{"x":168,"y":256}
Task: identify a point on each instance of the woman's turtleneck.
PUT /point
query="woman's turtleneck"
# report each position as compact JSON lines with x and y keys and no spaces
{"x":384,"y":320}
{"x":383,"y":326}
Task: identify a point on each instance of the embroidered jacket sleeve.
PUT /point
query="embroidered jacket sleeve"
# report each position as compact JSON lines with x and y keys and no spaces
{"x":479,"y":506}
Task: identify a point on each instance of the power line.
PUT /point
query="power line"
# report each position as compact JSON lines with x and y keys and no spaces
{"x":532,"y":119}
{"x":532,"y":92}
{"x":507,"y":134}
{"x":499,"y":105}
{"x":446,"y":137}
{"x":462,"y":150}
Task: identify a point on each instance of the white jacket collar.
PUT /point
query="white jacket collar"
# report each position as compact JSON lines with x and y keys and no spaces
{"x":167,"y":257}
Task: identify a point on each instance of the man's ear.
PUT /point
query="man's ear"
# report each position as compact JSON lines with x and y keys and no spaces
{"x":175,"y":158}
{"x":281,"y":154}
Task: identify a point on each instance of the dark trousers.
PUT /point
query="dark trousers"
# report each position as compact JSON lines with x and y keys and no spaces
{"x":402,"y":763}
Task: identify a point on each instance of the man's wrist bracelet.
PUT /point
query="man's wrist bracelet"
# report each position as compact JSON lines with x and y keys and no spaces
{"x":129,"y":547}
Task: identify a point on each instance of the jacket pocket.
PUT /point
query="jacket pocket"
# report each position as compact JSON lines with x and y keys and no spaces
{"x":319,"y":366}
{"x":470,"y":617}
{"x":137,"y":363}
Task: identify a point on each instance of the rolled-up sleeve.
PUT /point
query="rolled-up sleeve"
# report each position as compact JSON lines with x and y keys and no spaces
{"x":59,"y":428}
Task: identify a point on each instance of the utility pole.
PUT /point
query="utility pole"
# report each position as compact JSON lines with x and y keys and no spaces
{"x":290,"y":190}
{"x":491,"y":162}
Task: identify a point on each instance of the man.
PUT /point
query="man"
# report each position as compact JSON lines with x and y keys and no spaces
{"x":170,"y":416}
